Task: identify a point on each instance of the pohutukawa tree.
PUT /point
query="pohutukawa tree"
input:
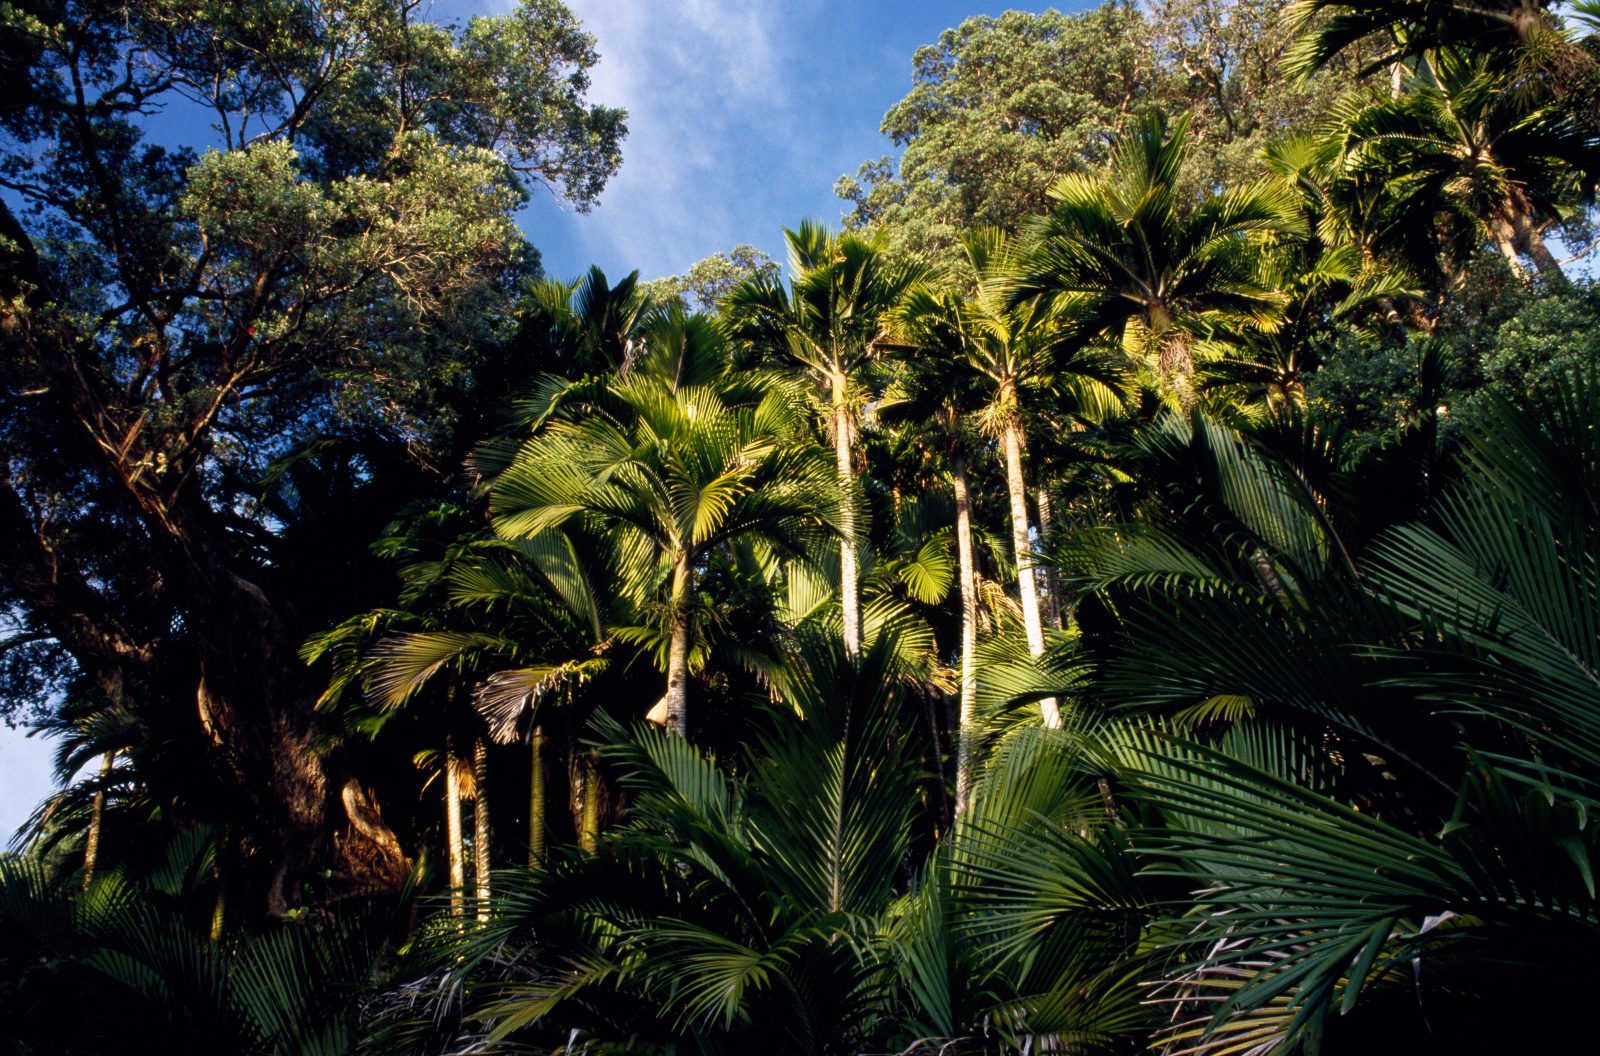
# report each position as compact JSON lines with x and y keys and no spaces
{"x":176,"y":321}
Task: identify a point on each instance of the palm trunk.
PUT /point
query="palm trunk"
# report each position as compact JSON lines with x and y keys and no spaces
{"x":969,"y":633}
{"x":678,"y":650}
{"x":220,"y":910}
{"x":1022,"y":547}
{"x":1052,"y":589}
{"x":536,"y":793}
{"x":1176,"y":363}
{"x":481,"y":863}
{"x":589,"y":824}
{"x":1538,"y":251}
{"x":452,"y":828}
{"x":849,"y":575}
{"x":91,"y":843}
{"x":1504,"y":236}
{"x":1530,"y":239}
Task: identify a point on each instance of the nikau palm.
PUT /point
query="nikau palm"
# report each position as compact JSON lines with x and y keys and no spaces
{"x":1307,"y":764}
{"x":933,"y":391}
{"x":667,"y":464}
{"x":1122,"y":255}
{"x":1459,"y":146}
{"x":738,"y":907}
{"x":487,"y":619}
{"x":1014,"y":348}
{"x":830,"y":321}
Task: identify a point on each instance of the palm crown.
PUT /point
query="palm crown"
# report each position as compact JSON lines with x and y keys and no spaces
{"x":669,"y":463}
{"x":1121,"y":252}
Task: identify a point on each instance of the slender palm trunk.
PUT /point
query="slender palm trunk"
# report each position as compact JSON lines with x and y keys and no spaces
{"x":969,"y":633}
{"x":220,"y":910}
{"x":452,"y":828}
{"x":678,"y":650}
{"x":589,"y":822}
{"x":849,"y":575}
{"x":481,"y":863}
{"x":91,"y":842}
{"x":1027,"y":593}
{"x":1504,"y":236}
{"x":1538,"y":251}
{"x":536,"y":794}
{"x":1052,"y":588}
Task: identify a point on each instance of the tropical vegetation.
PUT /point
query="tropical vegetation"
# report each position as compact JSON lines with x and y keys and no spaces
{"x":1134,"y":586}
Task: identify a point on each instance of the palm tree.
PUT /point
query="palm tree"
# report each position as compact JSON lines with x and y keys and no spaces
{"x":584,"y":326}
{"x":509,"y":628}
{"x":1527,"y":37}
{"x":830,"y":321}
{"x":933,"y":394}
{"x":742,"y":905}
{"x":1389,"y":912}
{"x":669,"y":463}
{"x":161,"y":982}
{"x":1120,"y":255}
{"x":1308,"y":776}
{"x":1460,"y":146}
{"x":1016,"y":347}
{"x":934,"y":387}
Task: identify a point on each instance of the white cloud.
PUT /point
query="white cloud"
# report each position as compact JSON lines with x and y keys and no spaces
{"x":707,"y":87}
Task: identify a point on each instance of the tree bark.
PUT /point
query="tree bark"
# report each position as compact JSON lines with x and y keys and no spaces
{"x":678,"y":648}
{"x":452,"y":828}
{"x":481,"y":847}
{"x":536,"y":798}
{"x":969,"y":634}
{"x":369,"y":841}
{"x":1022,"y":546}
{"x":141,"y":458}
{"x":849,"y":574}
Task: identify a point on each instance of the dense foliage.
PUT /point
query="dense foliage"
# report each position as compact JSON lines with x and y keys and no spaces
{"x":1135,"y":588}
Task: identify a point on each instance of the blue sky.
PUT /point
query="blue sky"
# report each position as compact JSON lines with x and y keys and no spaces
{"x":742,"y":116}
